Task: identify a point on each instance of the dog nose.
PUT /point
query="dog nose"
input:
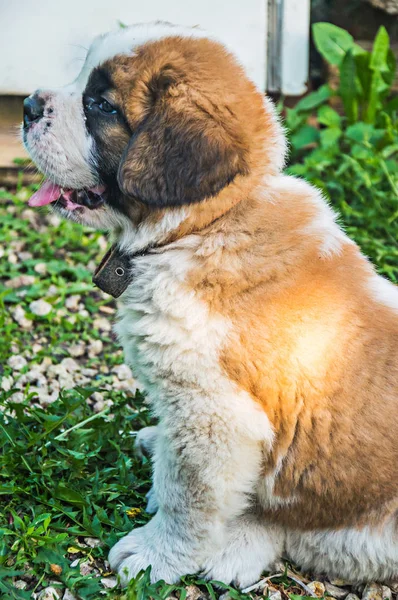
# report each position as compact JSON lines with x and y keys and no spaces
{"x":33,"y":108}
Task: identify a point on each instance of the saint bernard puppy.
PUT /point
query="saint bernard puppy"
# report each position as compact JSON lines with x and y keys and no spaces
{"x":265,"y":340}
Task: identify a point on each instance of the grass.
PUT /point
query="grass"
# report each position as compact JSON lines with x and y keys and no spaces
{"x":70,"y":485}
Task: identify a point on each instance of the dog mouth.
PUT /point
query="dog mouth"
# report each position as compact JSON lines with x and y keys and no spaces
{"x":70,"y":199}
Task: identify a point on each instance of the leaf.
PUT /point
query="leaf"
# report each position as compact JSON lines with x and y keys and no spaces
{"x":364,"y":75}
{"x":392,"y":106}
{"x":328,"y":116}
{"x":314,"y":99}
{"x":389,"y":75}
{"x":71,"y":496}
{"x":133,"y":512}
{"x":333,"y":43}
{"x":347,"y":87}
{"x":359,"y":132}
{"x":330,"y":136}
{"x":381,"y":45}
{"x":305,"y":136}
{"x":377,"y":88}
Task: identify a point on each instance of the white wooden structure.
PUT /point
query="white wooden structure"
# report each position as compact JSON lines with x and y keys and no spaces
{"x":43,"y":42}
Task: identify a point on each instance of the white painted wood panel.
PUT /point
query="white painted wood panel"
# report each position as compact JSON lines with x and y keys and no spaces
{"x":43,"y":42}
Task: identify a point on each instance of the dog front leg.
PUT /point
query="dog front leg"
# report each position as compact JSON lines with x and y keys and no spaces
{"x":205,"y":468}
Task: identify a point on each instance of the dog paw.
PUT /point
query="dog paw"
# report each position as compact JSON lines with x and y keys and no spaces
{"x":145,"y":547}
{"x":250,"y":550}
{"x":145,"y":441}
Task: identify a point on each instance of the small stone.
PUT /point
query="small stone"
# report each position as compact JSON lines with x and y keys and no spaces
{"x":7,"y":383}
{"x":41,"y":393}
{"x":318,"y":588}
{"x":20,"y":281}
{"x":18,"y":313}
{"x":85,"y":568}
{"x":194,"y":593}
{"x":373,"y":591}
{"x":40,"y":268}
{"x":70,"y":365}
{"x":274,"y":594}
{"x":29,"y":215}
{"x":89,"y":372}
{"x":45,"y":364}
{"x":25,"y":256}
{"x":68,"y":595}
{"x":20,"y":584}
{"x":35,"y":376}
{"x":99,"y":406}
{"x":74,"y":563}
{"x":95,"y":348}
{"x":53,"y":219}
{"x":109,"y":582}
{"x":102,"y":242}
{"x":97,"y":397}
{"x":66,"y":382}
{"x":336,"y":592}
{"x":40,"y":308}
{"x":52,"y":290}
{"x":352,"y":597}
{"x":12,"y":258}
{"x":122,"y":372}
{"x":92,"y":542}
{"x":57,"y":371}
{"x":17,"y":362}
{"x":36,"y":348}
{"x":77,"y":350}
{"x":49,"y":593}
{"x":81,"y":379}
{"x":102,"y":324}
{"x":108,"y":310}
{"x":386,"y":592}
{"x":72,"y":302}
{"x":18,"y":397}
{"x":129,"y":385}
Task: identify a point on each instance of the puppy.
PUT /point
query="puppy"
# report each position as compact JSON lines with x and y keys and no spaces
{"x":266,"y":342}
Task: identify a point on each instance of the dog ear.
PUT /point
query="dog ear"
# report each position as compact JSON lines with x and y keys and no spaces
{"x":181,"y":153}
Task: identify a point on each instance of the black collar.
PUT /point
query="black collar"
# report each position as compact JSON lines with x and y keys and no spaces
{"x":113,"y":275}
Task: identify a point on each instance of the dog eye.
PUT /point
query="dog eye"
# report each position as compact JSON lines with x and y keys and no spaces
{"x":107,"y":107}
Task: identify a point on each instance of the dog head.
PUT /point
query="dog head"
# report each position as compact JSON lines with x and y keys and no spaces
{"x":160,"y":117}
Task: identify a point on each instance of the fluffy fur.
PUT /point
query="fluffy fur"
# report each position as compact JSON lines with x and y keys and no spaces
{"x":267,"y":344}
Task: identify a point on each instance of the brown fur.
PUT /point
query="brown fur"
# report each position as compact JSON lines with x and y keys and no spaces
{"x":308,"y":341}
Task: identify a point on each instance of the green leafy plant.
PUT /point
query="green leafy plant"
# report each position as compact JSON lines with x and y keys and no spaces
{"x":345,"y":141}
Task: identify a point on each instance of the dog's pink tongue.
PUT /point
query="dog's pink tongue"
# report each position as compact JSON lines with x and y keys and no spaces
{"x":46,"y":194}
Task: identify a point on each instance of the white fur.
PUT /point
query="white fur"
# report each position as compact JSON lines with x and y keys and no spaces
{"x":125,"y":40}
{"x":59,"y":143}
{"x":252,"y":547}
{"x":265,"y":490}
{"x":323,"y":226}
{"x":211,"y":435}
{"x":356,"y":555}
{"x":383,"y":291}
{"x":276,"y":147}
